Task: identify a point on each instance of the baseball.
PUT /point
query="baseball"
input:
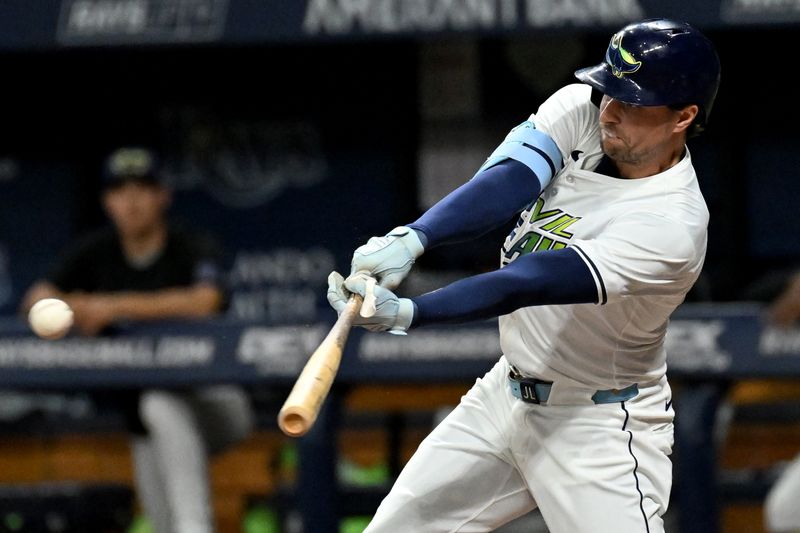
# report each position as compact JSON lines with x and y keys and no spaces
{"x":50,"y":318}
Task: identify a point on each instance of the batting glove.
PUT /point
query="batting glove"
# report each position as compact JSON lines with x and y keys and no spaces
{"x":392,"y":314}
{"x":388,"y":258}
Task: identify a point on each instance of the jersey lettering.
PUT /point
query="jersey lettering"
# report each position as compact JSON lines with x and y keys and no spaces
{"x":537,"y":214}
{"x":545,"y":230}
{"x":558,"y":226}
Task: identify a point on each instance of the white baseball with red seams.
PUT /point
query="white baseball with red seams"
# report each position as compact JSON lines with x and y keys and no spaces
{"x":50,"y":318}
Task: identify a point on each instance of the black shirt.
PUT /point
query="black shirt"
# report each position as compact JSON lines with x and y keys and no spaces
{"x":97,"y":263}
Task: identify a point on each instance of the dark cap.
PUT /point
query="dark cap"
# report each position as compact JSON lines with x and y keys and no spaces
{"x":130,"y":164}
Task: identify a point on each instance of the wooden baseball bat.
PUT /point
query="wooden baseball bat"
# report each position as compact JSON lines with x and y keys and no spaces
{"x":301,"y":408}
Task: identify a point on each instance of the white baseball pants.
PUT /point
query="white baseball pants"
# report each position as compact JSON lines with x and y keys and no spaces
{"x":589,"y":468}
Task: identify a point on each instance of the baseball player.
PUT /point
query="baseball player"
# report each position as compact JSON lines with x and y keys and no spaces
{"x":575,"y":418}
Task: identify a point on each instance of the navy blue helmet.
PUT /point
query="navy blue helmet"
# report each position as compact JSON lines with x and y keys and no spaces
{"x":658,"y":62}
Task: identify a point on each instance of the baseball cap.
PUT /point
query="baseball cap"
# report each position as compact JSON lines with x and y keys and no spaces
{"x":130,"y":164}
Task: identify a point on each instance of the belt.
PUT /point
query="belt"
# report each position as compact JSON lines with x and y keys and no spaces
{"x":533,"y":390}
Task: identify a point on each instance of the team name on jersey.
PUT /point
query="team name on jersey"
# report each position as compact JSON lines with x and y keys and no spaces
{"x":538,"y":229}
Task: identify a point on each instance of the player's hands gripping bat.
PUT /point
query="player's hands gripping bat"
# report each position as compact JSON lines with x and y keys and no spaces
{"x":391,"y":314}
{"x":388,"y":258}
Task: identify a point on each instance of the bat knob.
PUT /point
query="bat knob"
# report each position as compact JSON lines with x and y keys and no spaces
{"x":295,"y":423}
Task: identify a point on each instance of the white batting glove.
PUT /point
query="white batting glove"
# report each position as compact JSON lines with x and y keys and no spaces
{"x":392,"y":314}
{"x":388,"y":258}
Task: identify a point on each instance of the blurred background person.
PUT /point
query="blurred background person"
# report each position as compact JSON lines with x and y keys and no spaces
{"x":141,"y":269}
{"x":781,"y":510}
{"x":785,"y":309}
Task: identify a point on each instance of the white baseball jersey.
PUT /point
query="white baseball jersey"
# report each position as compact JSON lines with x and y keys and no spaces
{"x":644,"y":241}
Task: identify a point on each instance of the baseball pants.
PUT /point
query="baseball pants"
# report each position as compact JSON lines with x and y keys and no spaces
{"x":589,"y":468}
{"x":171,"y":461}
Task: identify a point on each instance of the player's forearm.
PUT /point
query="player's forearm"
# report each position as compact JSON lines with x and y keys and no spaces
{"x":485,"y":202}
{"x":512,"y":176}
{"x":541,"y":278}
{"x":191,"y":302}
{"x":38,"y":291}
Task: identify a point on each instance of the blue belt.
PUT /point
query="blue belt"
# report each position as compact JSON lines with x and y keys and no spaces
{"x":532,"y":390}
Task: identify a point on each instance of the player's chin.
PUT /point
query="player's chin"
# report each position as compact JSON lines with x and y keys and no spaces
{"x":613,"y":148}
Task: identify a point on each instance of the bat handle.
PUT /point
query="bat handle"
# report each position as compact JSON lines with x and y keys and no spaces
{"x":348,"y":316}
{"x":367,"y":308}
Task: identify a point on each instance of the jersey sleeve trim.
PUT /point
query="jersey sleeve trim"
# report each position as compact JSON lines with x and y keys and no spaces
{"x":544,"y":155}
{"x":602,"y":294}
{"x":535,"y":149}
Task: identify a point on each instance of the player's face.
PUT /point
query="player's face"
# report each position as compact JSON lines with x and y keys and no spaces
{"x":136,"y":208}
{"x":639,"y":135}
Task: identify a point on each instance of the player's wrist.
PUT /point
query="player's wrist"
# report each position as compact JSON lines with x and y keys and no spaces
{"x":410,"y":238}
{"x":405,"y":315}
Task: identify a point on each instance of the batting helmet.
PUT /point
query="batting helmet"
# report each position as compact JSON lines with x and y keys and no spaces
{"x":658,"y":62}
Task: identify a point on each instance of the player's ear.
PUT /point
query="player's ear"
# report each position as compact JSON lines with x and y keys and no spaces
{"x":685,"y":117}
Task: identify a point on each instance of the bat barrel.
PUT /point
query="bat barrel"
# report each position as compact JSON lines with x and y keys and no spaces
{"x":305,"y":401}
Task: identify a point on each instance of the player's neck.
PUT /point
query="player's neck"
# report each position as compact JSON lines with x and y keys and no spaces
{"x":139,"y":245}
{"x":653,"y":166}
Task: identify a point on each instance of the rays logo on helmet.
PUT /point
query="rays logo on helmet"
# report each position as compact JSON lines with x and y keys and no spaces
{"x":620,"y":60}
